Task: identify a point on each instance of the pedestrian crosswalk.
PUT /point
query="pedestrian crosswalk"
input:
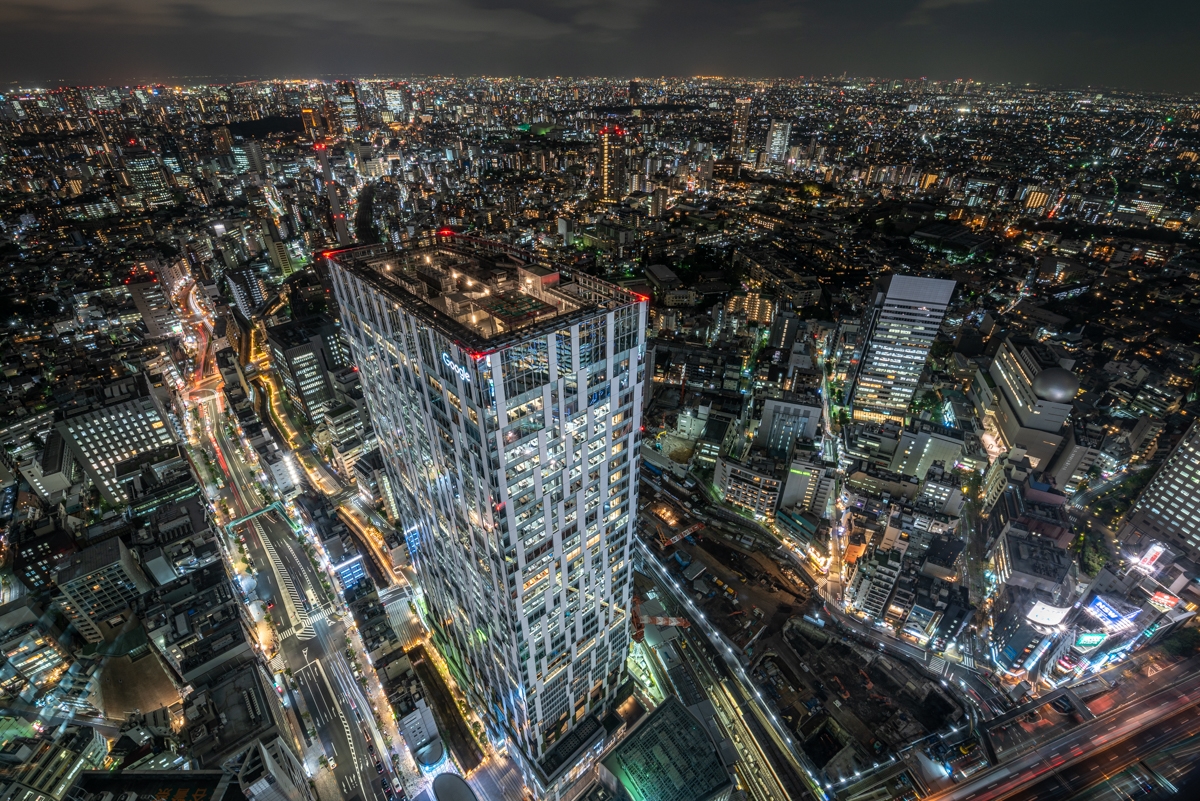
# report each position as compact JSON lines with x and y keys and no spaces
{"x":306,"y":630}
{"x":938,"y":665}
{"x":968,"y":662}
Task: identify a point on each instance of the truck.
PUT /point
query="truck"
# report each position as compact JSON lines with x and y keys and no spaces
{"x":684,"y":559}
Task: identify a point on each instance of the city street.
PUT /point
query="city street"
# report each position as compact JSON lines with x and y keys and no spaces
{"x":311,"y":637}
{"x":312,"y":640}
{"x":1082,"y":742}
{"x":1108,"y":763}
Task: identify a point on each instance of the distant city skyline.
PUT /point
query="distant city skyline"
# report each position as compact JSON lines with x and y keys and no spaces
{"x":1068,"y":44}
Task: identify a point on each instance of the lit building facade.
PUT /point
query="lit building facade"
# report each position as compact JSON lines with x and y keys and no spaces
{"x":128,"y":423}
{"x":1169,"y":508}
{"x":612,"y":164}
{"x":1035,"y":398}
{"x":778,"y":136}
{"x":148,"y":177}
{"x":98,"y":584}
{"x":741,"y":127}
{"x":507,"y":402}
{"x":902,"y":323}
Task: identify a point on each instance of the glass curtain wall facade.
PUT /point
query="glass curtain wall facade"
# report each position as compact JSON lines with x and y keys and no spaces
{"x":902,"y":323}
{"x":514,"y":458}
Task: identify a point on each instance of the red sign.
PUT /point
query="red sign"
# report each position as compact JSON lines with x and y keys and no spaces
{"x":1163,"y":600}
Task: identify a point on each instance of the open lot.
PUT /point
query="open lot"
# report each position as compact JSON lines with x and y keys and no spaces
{"x":848,"y":703}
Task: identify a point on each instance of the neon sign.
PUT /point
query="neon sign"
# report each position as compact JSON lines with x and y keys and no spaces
{"x":1163,"y":601}
{"x":456,"y":368}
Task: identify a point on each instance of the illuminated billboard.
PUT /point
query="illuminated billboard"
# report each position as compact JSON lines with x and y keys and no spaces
{"x":1087,"y":640}
{"x":1150,"y":557}
{"x":1164,"y":601}
{"x":1110,"y":616}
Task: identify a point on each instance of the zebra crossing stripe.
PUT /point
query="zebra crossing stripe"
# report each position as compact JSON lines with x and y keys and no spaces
{"x":304,"y":630}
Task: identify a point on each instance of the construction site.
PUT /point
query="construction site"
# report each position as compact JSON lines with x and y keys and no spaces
{"x":849,"y":704}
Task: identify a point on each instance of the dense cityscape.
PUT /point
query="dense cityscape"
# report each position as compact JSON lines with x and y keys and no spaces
{"x":669,"y":439}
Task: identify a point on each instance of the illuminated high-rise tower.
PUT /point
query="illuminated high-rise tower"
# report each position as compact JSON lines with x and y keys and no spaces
{"x":507,"y":401}
{"x":1168,"y":510}
{"x":394,"y":99}
{"x":148,"y":177}
{"x":777,"y":140}
{"x":741,"y":127}
{"x":347,"y":103}
{"x":612,"y":164}
{"x":901,"y":324}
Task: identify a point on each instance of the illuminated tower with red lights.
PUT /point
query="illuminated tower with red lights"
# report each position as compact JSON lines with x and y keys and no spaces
{"x":741,"y":127}
{"x":335,"y":204}
{"x":507,"y":400}
{"x":612,"y":164}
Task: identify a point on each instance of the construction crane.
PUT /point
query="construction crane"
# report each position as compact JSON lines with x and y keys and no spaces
{"x":666,"y":541}
{"x":639,"y":621}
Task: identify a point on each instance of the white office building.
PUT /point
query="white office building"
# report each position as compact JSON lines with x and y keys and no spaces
{"x":777,"y":140}
{"x":1169,"y":508}
{"x":901,"y":325}
{"x":507,"y":401}
{"x":1037,"y":390}
{"x":127,"y":422}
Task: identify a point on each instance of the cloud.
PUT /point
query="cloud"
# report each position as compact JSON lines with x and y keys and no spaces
{"x":125,"y":41}
{"x":772,"y":21}
{"x":439,"y":20}
{"x":924,"y":11}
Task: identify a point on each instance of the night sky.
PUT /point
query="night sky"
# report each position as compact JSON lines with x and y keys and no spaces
{"x":1116,"y":43}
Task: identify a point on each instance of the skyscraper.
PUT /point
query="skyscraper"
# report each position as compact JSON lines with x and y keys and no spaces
{"x":1167,"y":509}
{"x":777,"y":140}
{"x":303,"y":354}
{"x":347,"y":103}
{"x":147,"y":176}
{"x":1034,"y":398}
{"x":635,"y":93}
{"x":394,"y":100}
{"x":127,"y":421}
{"x":507,"y":401}
{"x":612,"y":164}
{"x":97,"y":584}
{"x":658,"y":201}
{"x":741,"y":127}
{"x":901,"y":324}
{"x":312,"y":126}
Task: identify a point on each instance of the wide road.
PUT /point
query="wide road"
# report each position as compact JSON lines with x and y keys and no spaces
{"x":311,"y":643}
{"x":1111,"y":760}
{"x":1077,"y":744}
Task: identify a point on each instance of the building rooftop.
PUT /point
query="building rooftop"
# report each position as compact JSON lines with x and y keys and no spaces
{"x":482,"y":293}
{"x":178,"y":785}
{"x":1038,"y":556}
{"x":89,"y":560}
{"x":669,"y":757}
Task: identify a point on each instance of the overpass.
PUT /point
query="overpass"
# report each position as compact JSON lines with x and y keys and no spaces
{"x":1076,"y":744}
